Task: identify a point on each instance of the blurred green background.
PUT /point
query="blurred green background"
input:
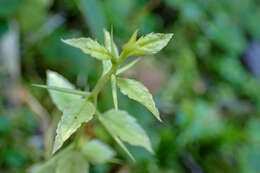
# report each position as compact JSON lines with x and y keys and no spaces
{"x":205,"y":82}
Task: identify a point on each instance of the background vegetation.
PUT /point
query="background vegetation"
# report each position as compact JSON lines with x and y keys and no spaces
{"x":205,"y":82}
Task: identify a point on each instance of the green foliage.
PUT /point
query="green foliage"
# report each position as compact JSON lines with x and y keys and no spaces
{"x":205,"y":84}
{"x":98,"y":152}
{"x":149,"y":44}
{"x":77,"y":110}
{"x":72,"y":162}
{"x":122,"y":125}
{"x":137,"y":91}
{"x":61,"y":100}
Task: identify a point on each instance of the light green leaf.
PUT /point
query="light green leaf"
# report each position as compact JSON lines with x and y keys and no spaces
{"x":109,"y":43}
{"x":97,"y":152}
{"x":149,"y":44}
{"x":50,"y":165}
{"x":107,"y":64}
{"x":122,"y":125}
{"x":119,"y":142}
{"x":91,"y":47}
{"x":114,"y":91}
{"x":77,"y":112}
{"x":133,"y":37}
{"x":137,"y":91}
{"x":126,"y":67}
{"x":60,"y":99}
{"x":72,"y":162}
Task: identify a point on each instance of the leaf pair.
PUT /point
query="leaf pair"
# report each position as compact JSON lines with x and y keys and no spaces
{"x":145,"y":45}
{"x":149,"y":44}
{"x":76,"y":110}
{"x":133,"y":89}
{"x":73,"y":161}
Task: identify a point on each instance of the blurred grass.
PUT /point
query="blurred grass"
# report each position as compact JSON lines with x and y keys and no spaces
{"x":208,"y":96}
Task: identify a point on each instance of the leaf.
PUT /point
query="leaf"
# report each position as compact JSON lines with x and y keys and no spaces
{"x":133,"y":37}
{"x":61,"y":100}
{"x":109,"y":43}
{"x":126,"y":67}
{"x":91,"y":47}
{"x":119,"y":142}
{"x":124,"y":126}
{"x":72,"y":162}
{"x":77,"y":112}
{"x":149,"y":44}
{"x":137,"y":91}
{"x":50,"y":165}
{"x":114,"y":91}
{"x":107,"y":64}
{"x":63,"y":90}
{"x":97,"y":152}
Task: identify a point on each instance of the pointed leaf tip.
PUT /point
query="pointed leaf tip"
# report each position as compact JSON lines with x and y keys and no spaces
{"x":148,"y":44}
{"x":57,"y":81}
{"x":138,"y":92}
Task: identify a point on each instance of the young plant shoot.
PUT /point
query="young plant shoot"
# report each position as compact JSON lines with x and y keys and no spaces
{"x":80,"y":107}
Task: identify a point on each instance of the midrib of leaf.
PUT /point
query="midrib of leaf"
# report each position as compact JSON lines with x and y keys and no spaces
{"x":150,"y":41}
{"x":141,"y":97}
{"x":129,"y":88}
{"x":116,"y":128}
{"x":101,"y":51}
{"x":77,"y":114}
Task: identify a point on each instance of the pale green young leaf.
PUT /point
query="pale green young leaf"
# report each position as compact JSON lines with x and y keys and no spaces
{"x":149,"y":44}
{"x":61,"y":100}
{"x":112,"y":48}
{"x":110,"y":44}
{"x":77,"y":112}
{"x":91,"y":47}
{"x":133,"y":37}
{"x":137,"y":91}
{"x":114,"y":91}
{"x":50,"y":165}
{"x":124,"y":126}
{"x":72,"y":162}
{"x":107,"y":65}
{"x":126,"y":67}
{"x":119,"y":142}
{"x":97,"y":152}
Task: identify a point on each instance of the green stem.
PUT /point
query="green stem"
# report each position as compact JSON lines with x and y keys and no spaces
{"x":100,"y":84}
{"x":102,"y":81}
